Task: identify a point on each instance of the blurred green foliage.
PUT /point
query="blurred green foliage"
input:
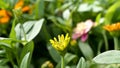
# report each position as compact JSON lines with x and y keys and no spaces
{"x":24,"y":40}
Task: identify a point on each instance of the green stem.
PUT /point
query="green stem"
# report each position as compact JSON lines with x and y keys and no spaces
{"x":23,"y":32}
{"x":59,"y":25}
{"x":105,"y":39}
{"x":62,"y":62}
{"x":116,"y":47}
{"x":99,"y":46}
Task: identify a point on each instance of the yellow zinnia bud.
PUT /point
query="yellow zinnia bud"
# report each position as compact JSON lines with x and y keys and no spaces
{"x":60,"y":44}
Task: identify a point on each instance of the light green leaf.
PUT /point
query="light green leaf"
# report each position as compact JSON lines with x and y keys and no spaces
{"x":5,"y":45}
{"x":63,"y":7}
{"x":31,"y":29}
{"x":66,"y":14}
{"x":81,"y":63}
{"x":86,"y":50}
{"x":24,"y":63}
{"x":110,"y":12}
{"x":108,"y":57}
{"x":98,"y":19}
{"x":69,"y":57}
{"x":5,"y":42}
{"x":3,"y":4}
{"x":35,"y":30}
{"x":8,"y":41}
{"x":12,"y":32}
{"x":84,"y":7}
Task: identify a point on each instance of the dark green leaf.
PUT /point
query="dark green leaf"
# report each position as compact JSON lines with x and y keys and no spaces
{"x":3,"y":61}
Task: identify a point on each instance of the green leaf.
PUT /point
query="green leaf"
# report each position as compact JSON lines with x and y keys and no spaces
{"x":63,"y":7}
{"x":5,"y":42}
{"x":8,"y":41}
{"x":67,"y":58}
{"x":35,"y":30}
{"x":3,"y":61}
{"x":39,"y":9}
{"x":98,"y":19}
{"x":81,"y":63}
{"x":25,"y":60}
{"x":4,"y":66}
{"x":54,"y":54}
{"x":110,"y":12}
{"x":31,"y":28}
{"x":3,"y":4}
{"x":9,"y":54}
{"x":12,"y":32}
{"x":108,"y":57}
{"x":27,"y":48}
{"x":86,"y":50}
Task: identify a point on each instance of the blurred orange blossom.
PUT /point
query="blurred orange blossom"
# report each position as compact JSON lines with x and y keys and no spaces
{"x":112,"y":27}
{"x":4,"y":16}
{"x":20,"y":4}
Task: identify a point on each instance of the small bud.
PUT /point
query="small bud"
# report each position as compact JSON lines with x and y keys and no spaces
{"x":47,"y":64}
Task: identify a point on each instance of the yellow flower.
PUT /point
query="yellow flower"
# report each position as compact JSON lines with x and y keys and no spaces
{"x":61,"y":43}
{"x":4,"y":16}
{"x":47,"y":64}
{"x":73,"y":42}
{"x":20,"y":4}
{"x":112,"y":27}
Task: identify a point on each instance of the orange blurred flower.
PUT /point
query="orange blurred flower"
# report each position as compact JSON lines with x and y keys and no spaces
{"x":112,"y":27}
{"x":26,"y":8}
{"x":4,"y":16}
{"x":20,"y":4}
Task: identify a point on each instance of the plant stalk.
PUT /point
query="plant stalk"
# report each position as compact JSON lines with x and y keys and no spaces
{"x":106,"y":41}
{"x":116,"y":47}
{"x":62,"y":62}
{"x":99,"y":46}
